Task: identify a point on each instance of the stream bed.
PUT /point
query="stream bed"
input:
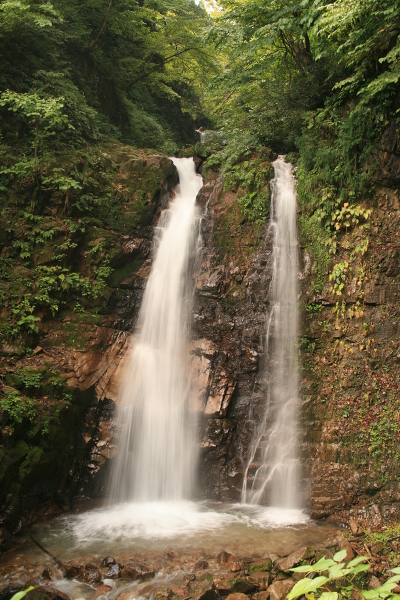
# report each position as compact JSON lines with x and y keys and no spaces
{"x":173,"y":540}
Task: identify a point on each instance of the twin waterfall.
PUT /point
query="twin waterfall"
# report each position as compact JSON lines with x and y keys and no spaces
{"x":157,"y":454}
{"x":157,"y":449}
{"x":274,"y":449}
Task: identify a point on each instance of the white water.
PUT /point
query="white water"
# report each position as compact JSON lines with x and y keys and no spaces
{"x":272,"y":473}
{"x":156,"y":458}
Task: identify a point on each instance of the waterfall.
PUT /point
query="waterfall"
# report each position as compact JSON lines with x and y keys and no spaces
{"x":157,"y":447}
{"x":272,"y":472}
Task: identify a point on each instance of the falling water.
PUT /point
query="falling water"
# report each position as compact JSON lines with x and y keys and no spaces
{"x":156,"y":455}
{"x":273,"y":469}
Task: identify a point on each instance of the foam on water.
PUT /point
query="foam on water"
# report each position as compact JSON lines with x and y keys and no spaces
{"x":169,"y":520}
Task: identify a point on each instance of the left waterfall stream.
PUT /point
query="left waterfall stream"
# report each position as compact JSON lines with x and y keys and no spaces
{"x":150,"y":519}
{"x":156,"y":458}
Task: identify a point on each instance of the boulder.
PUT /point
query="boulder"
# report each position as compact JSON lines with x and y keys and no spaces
{"x":344,"y":545}
{"x":265,"y":564}
{"x":45,"y":592}
{"x":287,"y":562}
{"x":224,"y":558}
{"x":279,"y":589}
{"x":203,"y":589}
{"x":137,"y":571}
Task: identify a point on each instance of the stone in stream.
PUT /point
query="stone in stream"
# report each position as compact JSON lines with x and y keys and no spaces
{"x":237,"y":596}
{"x":279,"y":589}
{"x":89,"y":574}
{"x":224,"y":558}
{"x":163,"y":594}
{"x":344,"y":545}
{"x":137,"y":571}
{"x":260,"y":596}
{"x":262,"y":580}
{"x":114,"y":572}
{"x":203,"y":589}
{"x":201,"y":564}
{"x":265,"y":564}
{"x":45,"y":592}
{"x":243,"y":585}
{"x":107,"y":561}
{"x":286,"y":563}
{"x":102,"y":590}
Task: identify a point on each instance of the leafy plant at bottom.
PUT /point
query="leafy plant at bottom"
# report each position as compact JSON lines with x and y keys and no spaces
{"x":338,"y":570}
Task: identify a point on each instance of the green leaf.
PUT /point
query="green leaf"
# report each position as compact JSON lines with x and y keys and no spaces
{"x":357,"y":560}
{"x":306,"y":585}
{"x":20,"y":595}
{"x":329,"y":596}
{"x":339,"y":556}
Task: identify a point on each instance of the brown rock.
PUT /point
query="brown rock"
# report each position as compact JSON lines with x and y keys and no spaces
{"x":243,"y":585}
{"x":45,"y":592}
{"x":286,"y":563}
{"x":102,"y":590}
{"x":89,"y":574}
{"x":374,"y":583}
{"x":203,"y":589}
{"x":354,"y":526}
{"x":265,"y":564}
{"x":137,"y":571}
{"x":224,"y":558}
{"x":261,"y":596}
{"x":235,"y":567}
{"x":163,"y":594}
{"x":201,"y":564}
{"x":114,"y":571}
{"x":262,"y":579}
{"x":279,"y":589}
{"x":344,"y":545}
{"x":107,"y":561}
{"x":223,"y":586}
{"x":237,"y":596}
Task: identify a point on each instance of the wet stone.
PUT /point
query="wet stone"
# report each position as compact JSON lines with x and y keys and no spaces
{"x":262,"y":579}
{"x":264,"y":564}
{"x":137,"y":571}
{"x":261,"y":596}
{"x":201,"y":564}
{"x":286,"y":563}
{"x":224,"y":558}
{"x":45,"y":592}
{"x":107,"y":561}
{"x":203,"y":589}
{"x":237,"y":596}
{"x":243,"y":585}
{"x":163,"y":594}
{"x":102,"y":590}
{"x":90,"y":574}
{"x":344,"y":545}
{"x":114,"y":572}
{"x":279,"y":589}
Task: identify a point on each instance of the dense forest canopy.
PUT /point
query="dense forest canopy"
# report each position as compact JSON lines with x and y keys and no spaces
{"x":316,"y":78}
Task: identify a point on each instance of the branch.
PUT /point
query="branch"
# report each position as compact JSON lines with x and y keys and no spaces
{"x":94,"y":42}
{"x":168,"y":59}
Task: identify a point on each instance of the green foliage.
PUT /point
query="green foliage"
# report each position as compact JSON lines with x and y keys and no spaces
{"x":73,"y":72}
{"x":23,"y":593}
{"x":339,"y":576}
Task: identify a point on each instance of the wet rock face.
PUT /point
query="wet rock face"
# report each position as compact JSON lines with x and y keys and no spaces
{"x":351,"y":383}
{"x":82,"y":353}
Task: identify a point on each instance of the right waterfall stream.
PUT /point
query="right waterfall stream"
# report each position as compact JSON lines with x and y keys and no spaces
{"x":272,"y":473}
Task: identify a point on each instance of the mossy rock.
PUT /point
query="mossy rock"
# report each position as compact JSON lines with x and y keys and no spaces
{"x":259,"y":566}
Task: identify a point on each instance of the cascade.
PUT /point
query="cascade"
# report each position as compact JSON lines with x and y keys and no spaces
{"x":156,"y":456}
{"x":272,"y":472}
